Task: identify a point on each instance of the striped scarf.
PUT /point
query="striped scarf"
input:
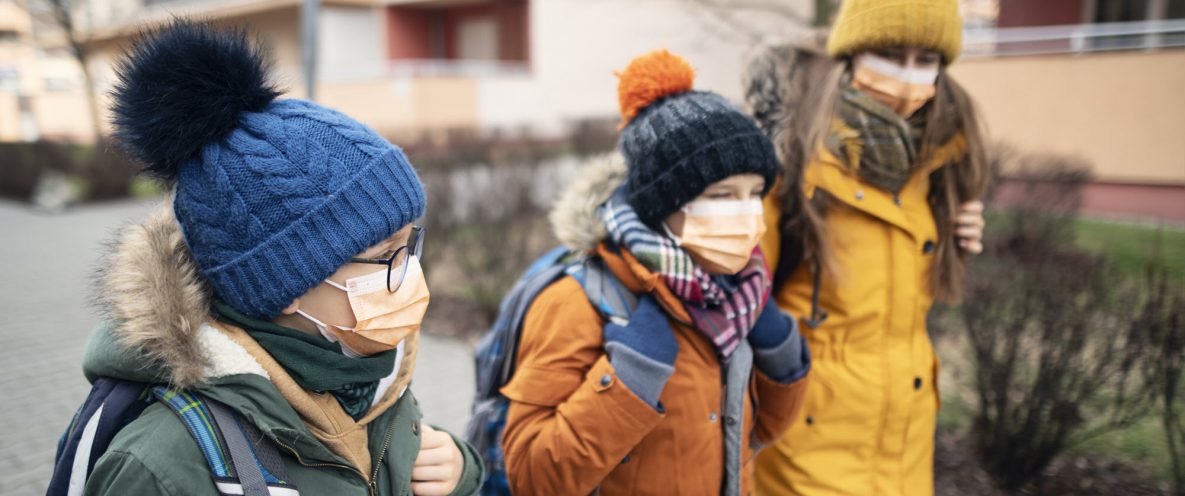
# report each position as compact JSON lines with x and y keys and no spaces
{"x":723,"y":308}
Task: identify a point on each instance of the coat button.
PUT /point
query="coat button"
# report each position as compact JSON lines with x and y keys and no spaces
{"x":712,"y":417}
{"x":859,"y":195}
{"x":810,"y":420}
{"x":606,"y":380}
{"x":928,"y":247}
{"x":730,"y":420}
{"x":917,"y":383}
{"x":897,"y":200}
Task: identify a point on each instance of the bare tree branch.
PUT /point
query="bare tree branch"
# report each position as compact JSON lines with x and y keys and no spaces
{"x":62,"y":14}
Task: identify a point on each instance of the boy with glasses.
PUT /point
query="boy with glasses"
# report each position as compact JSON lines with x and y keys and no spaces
{"x":283,"y":285}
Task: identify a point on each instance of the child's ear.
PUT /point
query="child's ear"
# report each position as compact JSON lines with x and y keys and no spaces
{"x":291,"y":309}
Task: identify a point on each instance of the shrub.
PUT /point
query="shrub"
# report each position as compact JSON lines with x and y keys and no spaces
{"x":1057,"y":336}
{"x":107,"y":172}
{"x":22,"y":164}
{"x":1163,"y":317}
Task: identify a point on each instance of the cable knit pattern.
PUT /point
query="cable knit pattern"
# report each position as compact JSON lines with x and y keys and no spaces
{"x":288,"y":197}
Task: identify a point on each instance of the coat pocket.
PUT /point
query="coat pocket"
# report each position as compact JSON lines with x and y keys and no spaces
{"x":541,"y":386}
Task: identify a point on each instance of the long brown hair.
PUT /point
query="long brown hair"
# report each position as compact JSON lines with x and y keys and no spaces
{"x":951,"y":113}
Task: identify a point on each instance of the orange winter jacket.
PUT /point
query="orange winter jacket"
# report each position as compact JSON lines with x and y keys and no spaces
{"x":574,"y":428}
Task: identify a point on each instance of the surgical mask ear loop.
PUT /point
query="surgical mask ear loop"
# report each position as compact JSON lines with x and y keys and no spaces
{"x":323,"y":328}
{"x":667,"y":229}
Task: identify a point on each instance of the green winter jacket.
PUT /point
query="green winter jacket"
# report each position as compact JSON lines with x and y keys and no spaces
{"x":150,"y":289}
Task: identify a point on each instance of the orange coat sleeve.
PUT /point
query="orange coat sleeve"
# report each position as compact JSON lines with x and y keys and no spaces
{"x":778,"y":406}
{"x":571,"y":421}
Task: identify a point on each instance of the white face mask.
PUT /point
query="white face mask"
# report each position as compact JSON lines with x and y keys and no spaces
{"x":720,"y":234}
{"x":383,"y":318}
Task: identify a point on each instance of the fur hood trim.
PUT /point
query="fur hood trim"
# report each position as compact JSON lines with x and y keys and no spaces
{"x":574,"y":218}
{"x":150,"y":289}
{"x":776,"y":80}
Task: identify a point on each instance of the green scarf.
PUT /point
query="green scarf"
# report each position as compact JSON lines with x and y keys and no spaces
{"x":315,"y":363}
{"x":888,"y":143}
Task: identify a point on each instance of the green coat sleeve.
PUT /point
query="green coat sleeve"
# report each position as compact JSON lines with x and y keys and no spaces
{"x":474,"y":472}
{"x":118,"y":473}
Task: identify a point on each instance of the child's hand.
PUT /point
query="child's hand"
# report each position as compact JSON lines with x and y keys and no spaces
{"x":438,"y":466}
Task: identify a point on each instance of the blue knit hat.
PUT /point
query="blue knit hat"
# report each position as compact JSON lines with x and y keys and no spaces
{"x":677,"y":142}
{"x":273,"y":196}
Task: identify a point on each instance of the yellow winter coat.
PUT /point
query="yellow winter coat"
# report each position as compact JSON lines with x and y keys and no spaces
{"x":868,"y":423}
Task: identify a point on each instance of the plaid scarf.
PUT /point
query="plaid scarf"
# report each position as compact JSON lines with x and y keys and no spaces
{"x":887,"y":142}
{"x":723,"y":308}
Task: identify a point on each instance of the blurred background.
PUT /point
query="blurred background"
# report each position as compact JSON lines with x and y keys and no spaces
{"x":1063,"y":371}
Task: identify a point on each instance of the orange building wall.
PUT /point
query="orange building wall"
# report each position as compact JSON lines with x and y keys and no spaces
{"x":1124,"y":112}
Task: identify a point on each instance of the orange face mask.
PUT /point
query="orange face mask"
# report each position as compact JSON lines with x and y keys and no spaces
{"x":384,"y":318}
{"x":720,"y":234}
{"x":903,"y":89}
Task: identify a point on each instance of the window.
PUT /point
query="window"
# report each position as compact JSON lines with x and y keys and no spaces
{"x":450,"y":37}
{"x":10,"y":80}
{"x":54,"y":84}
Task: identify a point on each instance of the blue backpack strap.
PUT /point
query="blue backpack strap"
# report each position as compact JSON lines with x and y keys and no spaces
{"x":109,"y":407}
{"x":240,"y":458}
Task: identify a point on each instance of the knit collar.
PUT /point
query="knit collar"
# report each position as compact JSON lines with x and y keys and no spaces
{"x":318,"y":365}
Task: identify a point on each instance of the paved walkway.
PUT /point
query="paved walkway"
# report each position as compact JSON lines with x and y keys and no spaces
{"x":46,"y":266}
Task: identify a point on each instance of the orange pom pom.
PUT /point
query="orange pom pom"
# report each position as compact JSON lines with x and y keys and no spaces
{"x":649,"y":78}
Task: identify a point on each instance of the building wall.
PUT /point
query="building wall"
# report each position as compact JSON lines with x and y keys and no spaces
{"x":409,"y":32}
{"x":1124,"y":112}
{"x":576,"y":45}
{"x":403,"y":108}
{"x":1014,"y":13}
{"x":431,"y":30}
{"x":573,"y":48}
{"x":351,"y":43}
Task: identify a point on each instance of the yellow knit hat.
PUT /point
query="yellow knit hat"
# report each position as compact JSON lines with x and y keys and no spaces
{"x":868,"y":24}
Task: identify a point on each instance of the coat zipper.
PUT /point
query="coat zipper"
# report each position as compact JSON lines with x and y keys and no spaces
{"x":371,"y":484}
{"x":379,"y":463}
{"x":335,"y":465}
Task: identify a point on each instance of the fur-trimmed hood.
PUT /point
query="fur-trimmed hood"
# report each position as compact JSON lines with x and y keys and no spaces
{"x":574,"y":218}
{"x":776,"y":80}
{"x":156,"y":309}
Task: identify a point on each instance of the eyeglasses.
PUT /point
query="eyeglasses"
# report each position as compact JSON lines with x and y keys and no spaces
{"x":397,"y":263}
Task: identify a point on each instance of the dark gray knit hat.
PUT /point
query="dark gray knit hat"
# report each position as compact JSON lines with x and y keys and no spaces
{"x":677,"y":142}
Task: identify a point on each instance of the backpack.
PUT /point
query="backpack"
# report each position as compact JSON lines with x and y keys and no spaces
{"x":241,"y":460}
{"x":496,"y":352}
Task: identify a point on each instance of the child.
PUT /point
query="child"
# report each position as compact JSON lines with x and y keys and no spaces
{"x":284,"y":284}
{"x":677,"y":400}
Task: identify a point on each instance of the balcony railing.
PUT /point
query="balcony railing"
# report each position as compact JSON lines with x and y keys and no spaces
{"x":460,"y":68}
{"x":1078,"y":38}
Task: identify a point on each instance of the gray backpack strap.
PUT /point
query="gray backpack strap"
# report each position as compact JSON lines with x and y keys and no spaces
{"x":615,"y":301}
{"x":269,"y":457}
{"x":241,"y":454}
{"x":518,"y":313}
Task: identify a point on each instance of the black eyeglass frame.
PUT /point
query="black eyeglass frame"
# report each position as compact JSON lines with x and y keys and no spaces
{"x":415,"y":247}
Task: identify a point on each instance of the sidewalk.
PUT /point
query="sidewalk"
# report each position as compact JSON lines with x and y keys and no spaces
{"x":46,"y":265}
